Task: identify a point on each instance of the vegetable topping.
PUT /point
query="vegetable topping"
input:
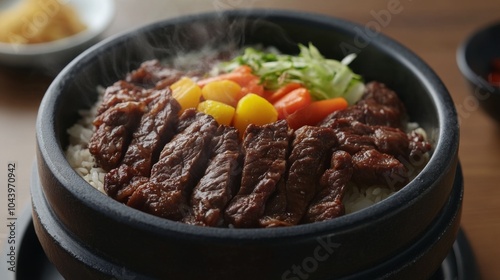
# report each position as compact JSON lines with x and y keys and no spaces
{"x":260,"y":87}
{"x":325,"y":78}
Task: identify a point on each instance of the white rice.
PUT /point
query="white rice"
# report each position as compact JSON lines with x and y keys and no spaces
{"x":357,"y":198}
{"x":78,"y":154}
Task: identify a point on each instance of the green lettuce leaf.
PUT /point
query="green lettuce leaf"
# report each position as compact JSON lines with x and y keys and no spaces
{"x":325,"y":78}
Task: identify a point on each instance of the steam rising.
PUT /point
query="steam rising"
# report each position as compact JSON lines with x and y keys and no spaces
{"x":174,"y":38}
{"x":169,"y":41}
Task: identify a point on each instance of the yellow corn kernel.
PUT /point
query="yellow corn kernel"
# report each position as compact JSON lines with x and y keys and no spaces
{"x":253,"y":109}
{"x":224,"y":91}
{"x":221,"y":112}
{"x":187,"y":93}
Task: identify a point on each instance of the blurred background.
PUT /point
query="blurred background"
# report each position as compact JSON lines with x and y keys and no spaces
{"x":432,"y":29}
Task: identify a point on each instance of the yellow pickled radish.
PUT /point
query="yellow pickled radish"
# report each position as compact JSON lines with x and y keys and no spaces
{"x":253,"y":109}
{"x":224,"y":91}
{"x":221,"y":112}
{"x":187,"y":93}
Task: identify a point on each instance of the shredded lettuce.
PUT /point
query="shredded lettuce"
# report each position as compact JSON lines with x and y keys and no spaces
{"x":325,"y":78}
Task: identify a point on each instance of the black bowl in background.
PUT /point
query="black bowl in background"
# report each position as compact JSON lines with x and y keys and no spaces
{"x":114,"y":240}
{"x":474,"y":58}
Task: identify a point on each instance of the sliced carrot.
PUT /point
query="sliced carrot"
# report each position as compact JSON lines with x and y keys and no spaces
{"x":243,"y":69}
{"x":282,"y":91}
{"x":253,"y":86}
{"x":292,"y":101}
{"x":316,"y":112}
{"x":241,"y":75}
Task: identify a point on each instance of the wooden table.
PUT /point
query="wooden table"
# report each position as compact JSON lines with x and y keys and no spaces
{"x":432,"y":29}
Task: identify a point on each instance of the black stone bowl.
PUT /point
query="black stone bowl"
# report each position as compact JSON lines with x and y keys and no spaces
{"x":474,"y":58}
{"x":88,"y":235}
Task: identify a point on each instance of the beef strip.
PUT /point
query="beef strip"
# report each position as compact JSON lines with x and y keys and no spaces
{"x":182,"y":163}
{"x":114,"y":129}
{"x":379,"y":105}
{"x":275,"y":214}
{"x":418,"y":147}
{"x":117,"y":179}
{"x":265,"y":149}
{"x":328,"y":202}
{"x":311,"y":150}
{"x":152,"y":73}
{"x":372,"y":167}
{"x":218,"y":185}
{"x":354,"y":136}
{"x":156,"y":128}
{"x":123,"y":194}
{"x":186,"y":120}
{"x":382,"y":106}
{"x":122,"y":91}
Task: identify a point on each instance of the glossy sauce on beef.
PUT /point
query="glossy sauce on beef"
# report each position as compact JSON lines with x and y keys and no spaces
{"x":156,"y":128}
{"x":181,"y":165}
{"x":220,"y":181}
{"x":327,"y":203}
{"x":265,"y":149}
{"x":114,"y":129}
{"x":189,"y":168}
{"x":311,"y":148}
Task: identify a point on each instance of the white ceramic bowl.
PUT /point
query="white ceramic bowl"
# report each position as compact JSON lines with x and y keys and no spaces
{"x":96,"y":14}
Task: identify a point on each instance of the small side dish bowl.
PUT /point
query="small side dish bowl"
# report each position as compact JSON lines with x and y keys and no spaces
{"x":54,"y":55}
{"x":88,"y":235}
{"x":476,"y":58}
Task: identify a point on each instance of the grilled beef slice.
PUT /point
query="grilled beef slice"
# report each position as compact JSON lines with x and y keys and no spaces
{"x":122,"y":91}
{"x":328,"y":202}
{"x":311,"y":151}
{"x":379,"y":105}
{"x":152,"y":74}
{"x":354,"y":136}
{"x":372,"y":167}
{"x":114,"y":129}
{"x":156,"y":128}
{"x":182,"y":163}
{"x":418,"y":148}
{"x":218,"y":185}
{"x":265,"y":149}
